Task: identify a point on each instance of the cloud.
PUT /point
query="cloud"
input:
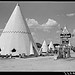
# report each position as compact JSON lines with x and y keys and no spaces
{"x":33,"y":33}
{"x":72,"y":14}
{"x":58,"y":25}
{"x":73,"y":31}
{"x":48,"y":25}
{"x":31,"y":22}
{"x":58,"y":31}
{"x":34,"y":36}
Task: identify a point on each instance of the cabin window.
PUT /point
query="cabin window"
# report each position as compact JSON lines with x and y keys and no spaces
{"x":63,"y":41}
{"x":0,"y":49}
{"x":67,"y":41}
{"x":13,"y":50}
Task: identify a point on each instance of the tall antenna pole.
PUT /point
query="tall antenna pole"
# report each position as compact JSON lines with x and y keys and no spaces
{"x":18,"y":3}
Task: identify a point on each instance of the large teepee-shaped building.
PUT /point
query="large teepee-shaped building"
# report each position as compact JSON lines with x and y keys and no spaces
{"x":17,"y":36}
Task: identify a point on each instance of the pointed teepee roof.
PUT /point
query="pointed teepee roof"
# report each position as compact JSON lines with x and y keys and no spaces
{"x":69,"y":43}
{"x":65,"y":31}
{"x":16,"y":34}
{"x":44,"y":46}
{"x":51,"y":46}
{"x":31,"y":48}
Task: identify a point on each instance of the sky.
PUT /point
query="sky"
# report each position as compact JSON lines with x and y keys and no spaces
{"x":43,"y":18}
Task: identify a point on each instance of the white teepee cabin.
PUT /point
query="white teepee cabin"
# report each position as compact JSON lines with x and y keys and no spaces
{"x":51,"y":46}
{"x":44,"y":47}
{"x":17,"y":36}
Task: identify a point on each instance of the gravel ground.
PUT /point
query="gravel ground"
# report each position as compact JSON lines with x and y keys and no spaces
{"x":46,"y":63}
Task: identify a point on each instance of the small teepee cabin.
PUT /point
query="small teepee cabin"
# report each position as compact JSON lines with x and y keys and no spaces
{"x":51,"y":46}
{"x":44,"y":47}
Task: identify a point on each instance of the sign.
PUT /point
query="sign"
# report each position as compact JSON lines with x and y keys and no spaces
{"x":65,"y":35}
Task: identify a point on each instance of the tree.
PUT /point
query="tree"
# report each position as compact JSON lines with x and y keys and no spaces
{"x":38,"y":45}
{"x":73,"y":48}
